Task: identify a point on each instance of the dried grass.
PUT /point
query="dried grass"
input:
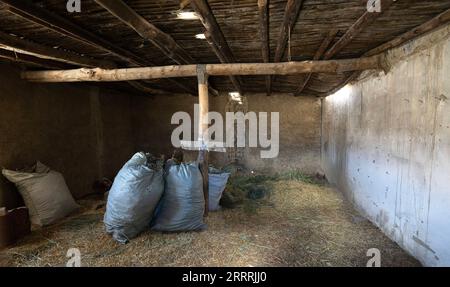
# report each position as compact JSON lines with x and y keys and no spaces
{"x":297,"y":224}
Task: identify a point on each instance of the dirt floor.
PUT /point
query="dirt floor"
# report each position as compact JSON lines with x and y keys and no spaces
{"x":297,"y":224}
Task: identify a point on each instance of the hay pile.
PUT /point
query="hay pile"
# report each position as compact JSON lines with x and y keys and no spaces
{"x":295,"y":223}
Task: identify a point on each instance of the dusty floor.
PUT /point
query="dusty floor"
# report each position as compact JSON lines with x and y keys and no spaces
{"x":299,"y":224}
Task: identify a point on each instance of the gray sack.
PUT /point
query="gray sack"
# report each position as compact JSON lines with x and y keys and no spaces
{"x":217,"y":183}
{"x":135,"y":193}
{"x":183,"y":204}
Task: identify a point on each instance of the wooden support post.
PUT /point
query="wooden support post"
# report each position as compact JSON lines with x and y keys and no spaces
{"x":203,"y":123}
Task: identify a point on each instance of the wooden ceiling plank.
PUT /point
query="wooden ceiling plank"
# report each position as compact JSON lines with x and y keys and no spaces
{"x":65,"y":27}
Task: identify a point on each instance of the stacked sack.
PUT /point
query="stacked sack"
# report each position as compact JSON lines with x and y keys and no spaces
{"x":183,"y":204}
{"x":136,"y":191}
{"x":217,"y":181}
{"x":170,"y":200}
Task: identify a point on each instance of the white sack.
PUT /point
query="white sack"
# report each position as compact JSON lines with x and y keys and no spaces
{"x":44,"y":192}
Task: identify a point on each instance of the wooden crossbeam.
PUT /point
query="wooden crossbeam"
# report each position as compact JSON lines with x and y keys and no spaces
{"x":215,"y":37}
{"x":61,"y":25}
{"x":132,"y":74}
{"x":263,"y":10}
{"x":291,"y":13}
{"x":325,"y":44}
{"x":360,"y":25}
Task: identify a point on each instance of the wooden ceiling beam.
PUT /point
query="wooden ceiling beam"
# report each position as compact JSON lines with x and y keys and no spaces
{"x":215,"y":37}
{"x":54,"y":22}
{"x":323,"y":47}
{"x":147,"y":30}
{"x":14,"y":43}
{"x":360,"y":25}
{"x":27,"y":59}
{"x":355,"y":29}
{"x":255,"y":69}
{"x":150,"y":32}
{"x":61,"y":25}
{"x":291,"y":13}
{"x":420,"y":30}
{"x":412,"y":34}
{"x":184,"y":4}
{"x":263,"y":11}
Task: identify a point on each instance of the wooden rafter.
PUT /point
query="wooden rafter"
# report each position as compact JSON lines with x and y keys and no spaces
{"x":428,"y":26}
{"x":132,"y":74}
{"x":323,"y":47}
{"x":27,"y":59}
{"x":360,"y":25}
{"x":291,"y":13}
{"x":215,"y":37}
{"x":418,"y":31}
{"x":17,"y":44}
{"x":263,"y":10}
{"x":147,"y":30}
{"x":184,"y":4}
{"x":150,"y":32}
{"x":59,"y":24}
{"x":63,"y":26}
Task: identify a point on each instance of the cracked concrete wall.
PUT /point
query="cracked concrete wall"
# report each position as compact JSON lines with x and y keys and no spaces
{"x":386,"y":145}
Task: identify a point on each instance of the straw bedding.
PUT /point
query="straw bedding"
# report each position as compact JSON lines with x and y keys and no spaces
{"x":297,"y":223}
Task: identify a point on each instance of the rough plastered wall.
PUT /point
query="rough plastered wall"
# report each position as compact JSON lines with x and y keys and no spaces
{"x":152,"y":121}
{"x":78,"y":130}
{"x":299,"y":133}
{"x":386,"y":145}
{"x":299,"y":128}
